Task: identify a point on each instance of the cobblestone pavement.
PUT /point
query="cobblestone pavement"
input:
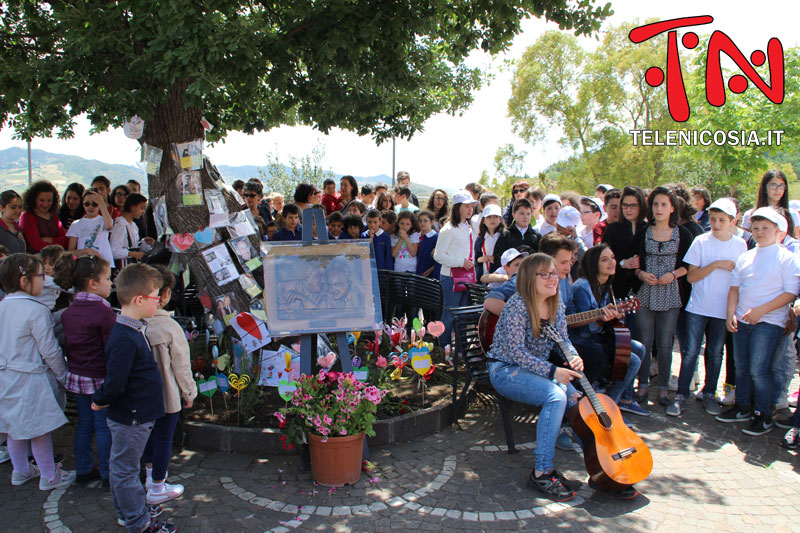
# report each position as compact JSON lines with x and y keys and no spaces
{"x":706,"y":476}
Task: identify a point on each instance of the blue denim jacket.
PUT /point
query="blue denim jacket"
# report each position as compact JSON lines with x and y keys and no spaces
{"x":583,"y":300}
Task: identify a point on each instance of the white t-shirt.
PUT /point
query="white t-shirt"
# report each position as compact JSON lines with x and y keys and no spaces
{"x":544,"y":227}
{"x":763,"y":274}
{"x":710,"y":294}
{"x":91,"y":233}
{"x":749,"y":213}
{"x":405,"y":262}
{"x":495,"y":284}
{"x":585,"y":233}
{"x":488,"y":243}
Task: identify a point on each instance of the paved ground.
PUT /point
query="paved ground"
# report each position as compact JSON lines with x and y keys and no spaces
{"x":707,"y":476}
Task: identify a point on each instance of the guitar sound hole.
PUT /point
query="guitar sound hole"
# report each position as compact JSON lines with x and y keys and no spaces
{"x":605,"y":420}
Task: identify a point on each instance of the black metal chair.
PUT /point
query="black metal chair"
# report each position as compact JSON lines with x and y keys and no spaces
{"x":468,"y":349}
{"x":383,"y":284}
{"x":409,"y":290}
{"x":476,"y":293}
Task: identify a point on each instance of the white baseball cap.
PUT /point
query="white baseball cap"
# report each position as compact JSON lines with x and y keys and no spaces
{"x":724,"y":205}
{"x":464,"y":197}
{"x":491,"y":210}
{"x":604,"y":186}
{"x":568,"y":216}
{"x":550,"y":198}
{"x":511,"y":254}
{"x":771,"y":215}
{"x":794,"y":204}
{"x":597,"y":202}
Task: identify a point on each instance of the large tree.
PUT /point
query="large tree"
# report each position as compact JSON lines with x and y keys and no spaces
{"x":377,"y":67}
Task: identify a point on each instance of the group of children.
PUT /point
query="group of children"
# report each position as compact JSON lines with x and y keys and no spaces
{"x":129,"y":373}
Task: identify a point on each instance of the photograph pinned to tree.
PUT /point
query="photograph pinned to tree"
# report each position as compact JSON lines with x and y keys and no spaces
{"x":189,"y":155}
{"x":218,"y":215}
{"x":133,"y":128}
{"x":257,"y":307}
{"x":151,"y":159}
{"x":225,"y":307}
{"x":191,"y":188}
{"x":313,"y":289}
{"x":248,"y":283}
{"x":242,"y":224}
{"x":220,"y":264}
{"x":246,"y":252}
{"x":160,"y":217}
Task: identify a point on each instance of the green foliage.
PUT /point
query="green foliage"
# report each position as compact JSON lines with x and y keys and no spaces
{"x":283,"y":178}
{"x":372,"y":67}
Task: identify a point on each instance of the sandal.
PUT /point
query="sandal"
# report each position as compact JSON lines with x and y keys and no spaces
{"x":551,"y":486}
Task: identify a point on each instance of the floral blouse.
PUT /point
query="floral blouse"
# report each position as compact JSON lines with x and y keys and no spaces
{"x":514,"y":341}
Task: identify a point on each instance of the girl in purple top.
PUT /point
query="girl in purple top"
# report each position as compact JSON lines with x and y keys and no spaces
{"x":87,"y":325}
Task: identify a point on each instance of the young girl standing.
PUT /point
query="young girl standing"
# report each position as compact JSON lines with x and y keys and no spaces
{"x":87,"y":325}
{"x":10,"y":234}
{"x":405,"y":242}
{"x":490,"y":230}
{"x":171,"y":352}
{"x":33,"y":370}
{"x":89,"y":235}
{"x":125,"y":242}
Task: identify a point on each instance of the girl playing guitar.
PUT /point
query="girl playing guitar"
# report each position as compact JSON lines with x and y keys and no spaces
{"x":519,"y":368}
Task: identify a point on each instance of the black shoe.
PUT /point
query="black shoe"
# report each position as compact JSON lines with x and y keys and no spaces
{"x":734,"y":414}
{"x":785,"y":423}
{"x":105,"y":483}
{"x":157,"y":526}
{"x":627,"y":493}
{"x":89,"y":476}
{"x":664,"y":400}
{"x":760,"y":425}
{"x":792,"y":439}
{"x":552,"y":486}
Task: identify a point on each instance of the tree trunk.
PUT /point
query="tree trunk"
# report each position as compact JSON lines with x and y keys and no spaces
{"x":173,"y":123}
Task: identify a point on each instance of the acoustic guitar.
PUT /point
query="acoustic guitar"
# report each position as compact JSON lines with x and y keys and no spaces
{"x":615,"y":456}
{"x":488,"y":322}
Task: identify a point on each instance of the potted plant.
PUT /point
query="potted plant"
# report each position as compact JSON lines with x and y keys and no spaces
{"x":332,"y":411}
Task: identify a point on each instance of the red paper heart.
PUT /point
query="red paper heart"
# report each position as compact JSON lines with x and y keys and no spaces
{"x":183,"y":241}
{"x":205,"y":299}
{"x":248,"y":324}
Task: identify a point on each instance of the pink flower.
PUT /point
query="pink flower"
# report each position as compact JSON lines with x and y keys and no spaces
{"x":373,"y":394}
{"x":343,"y":432}
{"x":381,"y":362}
{"x":279,"y":416}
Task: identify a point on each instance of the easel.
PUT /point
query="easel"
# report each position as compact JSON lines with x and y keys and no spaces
{"x":308,"y":342}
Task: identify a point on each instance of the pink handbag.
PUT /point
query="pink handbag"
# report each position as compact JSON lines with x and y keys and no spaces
{"x":462,"y":275}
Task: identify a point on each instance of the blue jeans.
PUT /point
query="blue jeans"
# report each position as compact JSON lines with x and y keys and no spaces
{"x":521,"y":385}
{"x":623,"y":390}
{"x":91,"y":423}
{"x":127,"y":492}
{"x":755,"y":347}
{"x":715,"y":340}
{"x":657,"y":327}
{"x":779,"y":366}
{"x":159,"y":446}
{"x":450,"y":298}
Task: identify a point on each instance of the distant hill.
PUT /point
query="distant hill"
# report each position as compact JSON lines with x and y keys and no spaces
{"x":62,"y":170}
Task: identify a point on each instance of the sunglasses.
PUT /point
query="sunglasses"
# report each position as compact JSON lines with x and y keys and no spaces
{"x":515,"y":191}
{"x":249,"y":195}
{"x":91,"y":204}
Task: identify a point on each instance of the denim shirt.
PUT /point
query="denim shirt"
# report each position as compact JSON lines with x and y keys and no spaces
{"x":514,"y":341}
{"x":583,"y":300}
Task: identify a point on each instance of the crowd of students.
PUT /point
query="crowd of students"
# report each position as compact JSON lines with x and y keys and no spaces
{"x":703,"y":273}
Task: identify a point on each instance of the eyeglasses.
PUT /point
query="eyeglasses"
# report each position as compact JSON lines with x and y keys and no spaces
{"x":91,"y":204}
{"x":515,"y":191}
{"x":548,"y":275}
{"x":776,"y":186}
{"x":628,"y":206}
{"x":587,"y":212}
{"x":120,"y":193}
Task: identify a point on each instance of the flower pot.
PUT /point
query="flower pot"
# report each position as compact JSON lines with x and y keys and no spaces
{"x":337,"y":462}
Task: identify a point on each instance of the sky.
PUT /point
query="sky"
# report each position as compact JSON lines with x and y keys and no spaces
{"x":452,"y":150}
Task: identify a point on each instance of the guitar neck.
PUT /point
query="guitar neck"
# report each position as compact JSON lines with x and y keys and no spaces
{"x":586,"y":316}
{"x":591,"y":395}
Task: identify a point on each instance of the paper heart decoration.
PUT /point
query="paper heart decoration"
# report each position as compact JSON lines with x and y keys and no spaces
{"x":198,"y":364}
{"x":205,"y":236}
{"x":239,"y":382}
{"x":183,"y":241}
{"x":420,"y":360}
{"x":416,"y":324}
{"x":421,"y":332}
{"x":427,"y":376}
{"x":222,"y":382}
{"x":191,"y":336}
{"x":286,"y":388}
{"x":351,"y":339}
{"x":205,"y":299}
{"x":361,"y":373}
{"x":398,"y":360}
{"x":436,"y":328}
{"x":326,"y":361}
{"x":396,"y":373}
{"x":222,"y":362}
{"x":251,"y":330}
{"x":207,"y":387}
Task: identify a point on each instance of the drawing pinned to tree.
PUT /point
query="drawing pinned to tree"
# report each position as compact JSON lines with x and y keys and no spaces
{"x":220,"y":264}
{"x":133,"y":128}
{"x":151,"y":159}
{"x":313,"y":289}
{"x":246,"y":253}
{"x":217,"y":210}
{"x":251,"y":330}
{"x":189,"y":155}
{"x":191,"y":188}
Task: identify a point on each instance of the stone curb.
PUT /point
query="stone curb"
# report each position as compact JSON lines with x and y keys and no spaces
{"x":266,"y":441}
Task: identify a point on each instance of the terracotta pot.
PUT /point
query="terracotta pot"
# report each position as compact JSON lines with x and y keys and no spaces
{"x":337,"y":462}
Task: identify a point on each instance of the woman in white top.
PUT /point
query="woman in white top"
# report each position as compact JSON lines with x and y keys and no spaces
{"x":454,"y":250}
{"x":125,"y":243}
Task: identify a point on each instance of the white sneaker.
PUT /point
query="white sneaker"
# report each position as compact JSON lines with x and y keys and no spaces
{"x":673,"y":383}
{"x":148,"y":481}
{"x":793,"y":399}
{"x":4,"y":457}
{"x":63,"y":478}
{"x":18,"y":478}
{"x":170,"y":493}
{"x":783,"y":403}
{"x":730,"y":395}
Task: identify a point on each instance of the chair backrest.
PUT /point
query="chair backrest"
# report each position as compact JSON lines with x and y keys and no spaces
{"x":406,"y":289}
{"x":468,"y":347}
{"x":383,"y":284}
{"x":476,"y":293}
